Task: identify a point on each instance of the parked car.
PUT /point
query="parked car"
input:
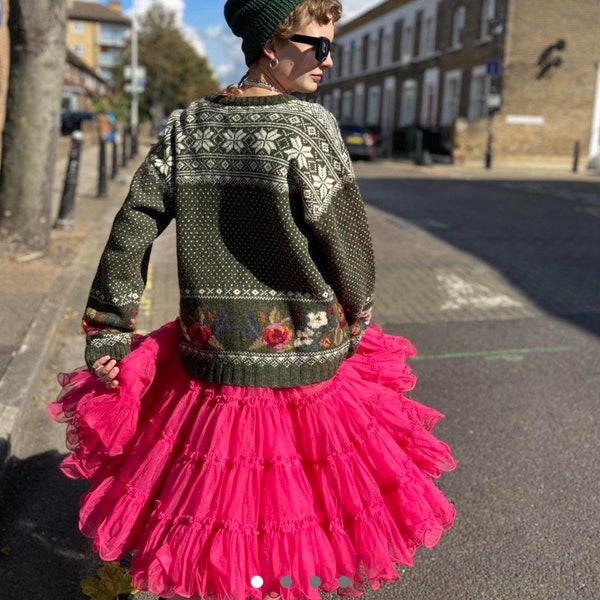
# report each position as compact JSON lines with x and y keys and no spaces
{"x":360,"y":141}
{"x":70,"y":120}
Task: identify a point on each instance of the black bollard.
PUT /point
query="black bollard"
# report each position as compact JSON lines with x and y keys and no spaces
{"x":134,"y":141}
{"x":576,"y":152}
{"x":422,"y":157}
{"x":124,"y":147}
{"x":101,"y":168}
{"x":65,"y":217}
{"x":115,"y":156}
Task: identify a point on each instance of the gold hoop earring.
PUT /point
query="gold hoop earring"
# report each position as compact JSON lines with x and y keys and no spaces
{"x":273,"y":64}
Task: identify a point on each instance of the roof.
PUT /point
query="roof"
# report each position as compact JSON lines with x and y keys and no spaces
{"x":82,"y":66}
{"x":94,"y":11}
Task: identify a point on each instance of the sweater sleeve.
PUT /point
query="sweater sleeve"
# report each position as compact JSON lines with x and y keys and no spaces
{"x":111,"y":311}
{"x":334,"y":211}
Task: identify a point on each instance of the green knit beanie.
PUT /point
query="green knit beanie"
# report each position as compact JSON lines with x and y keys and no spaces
{"x":255,"y":21}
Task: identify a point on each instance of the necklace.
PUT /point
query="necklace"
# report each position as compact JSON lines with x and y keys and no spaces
{"x":260,"y":84}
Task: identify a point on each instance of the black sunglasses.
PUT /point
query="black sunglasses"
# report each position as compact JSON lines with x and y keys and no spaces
{"x":322,"y":45}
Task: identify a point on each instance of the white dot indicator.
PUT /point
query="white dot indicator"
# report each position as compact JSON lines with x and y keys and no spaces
{"x":257,"y":582}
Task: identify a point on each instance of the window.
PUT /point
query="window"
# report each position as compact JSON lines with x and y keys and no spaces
{"x":429,"y":106}
{"x":339,"y":59}
{"x":388,"y":105}
{"x":397,"y":51}
{"x":357,"y":57}
{"x":78,"y":49}
{"x":374,"y":105}
{"x":335,"y":107}
{"x":408,"y":104}
{"x":346,"y":61}
{"x":77,"y":27}
{"x":359,"y":104}
{"x":327,"y":102}
{"x":407,"y":43}
{"x":365,"y":52}
{"x":428,"y":37}
{"x":477,"y":99}
{"x":351,"y":64}
{"x":373,"y":47}
{"x":451,"y":108}
{"x":346,"y":107}
{"x":112,"y":34}
{"x":488,"y":8}
{"x":458,"y":26}
{"x":387,"y":48}
{"x":377,"y":49}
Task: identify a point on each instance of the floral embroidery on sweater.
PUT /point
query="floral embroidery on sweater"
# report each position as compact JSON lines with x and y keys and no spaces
{"x":206,"y":329}
{"x":320,"y":330}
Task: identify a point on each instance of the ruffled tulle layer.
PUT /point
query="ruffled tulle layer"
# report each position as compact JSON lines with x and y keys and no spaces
{"x":319,"y":487}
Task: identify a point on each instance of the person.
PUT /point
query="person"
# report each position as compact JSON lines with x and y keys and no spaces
{"x":261,"y":443}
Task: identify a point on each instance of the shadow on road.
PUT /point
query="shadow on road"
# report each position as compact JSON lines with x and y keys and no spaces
{"x":542,"y":236}
{"x":42,"y":554}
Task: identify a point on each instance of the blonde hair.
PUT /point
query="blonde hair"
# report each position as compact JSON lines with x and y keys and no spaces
{"x":321,"y":11}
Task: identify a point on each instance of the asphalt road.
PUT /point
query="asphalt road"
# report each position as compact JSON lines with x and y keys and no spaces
{"x":498,"y":285}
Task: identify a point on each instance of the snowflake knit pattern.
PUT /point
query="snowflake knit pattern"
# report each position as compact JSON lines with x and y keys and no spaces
{"x":274,"y":255}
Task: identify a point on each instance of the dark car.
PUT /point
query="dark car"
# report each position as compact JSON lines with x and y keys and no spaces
{"x":360,"y":141}
{"x":70,"y":120}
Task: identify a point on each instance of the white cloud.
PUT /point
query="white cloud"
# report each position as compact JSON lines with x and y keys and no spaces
{"x":353,"y":8}
{"x":195,"y":39}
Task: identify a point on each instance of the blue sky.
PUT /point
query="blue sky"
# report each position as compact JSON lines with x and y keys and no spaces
{"x":205,"y":27}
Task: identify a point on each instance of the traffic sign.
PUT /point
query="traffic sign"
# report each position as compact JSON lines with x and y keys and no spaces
{"x":494,"y":100}
{"x":140,"y":73}
{"x":492,"y":67}
{"x":134,"y":89}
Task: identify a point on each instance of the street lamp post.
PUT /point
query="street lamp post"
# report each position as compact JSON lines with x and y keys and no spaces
{"x":134,"y":79}
{"x":493,"y":87}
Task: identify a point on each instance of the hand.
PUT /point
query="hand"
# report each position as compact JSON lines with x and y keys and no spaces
{"x":106,"y":370}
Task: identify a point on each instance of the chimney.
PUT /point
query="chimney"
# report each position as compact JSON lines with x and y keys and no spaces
{"x":115,"y":5}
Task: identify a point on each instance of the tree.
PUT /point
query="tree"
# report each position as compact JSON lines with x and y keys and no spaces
{"x":175,"y":73}
{"x":37,"y":30}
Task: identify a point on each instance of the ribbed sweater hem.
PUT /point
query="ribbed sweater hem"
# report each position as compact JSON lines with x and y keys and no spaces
{"x":224,"y":368}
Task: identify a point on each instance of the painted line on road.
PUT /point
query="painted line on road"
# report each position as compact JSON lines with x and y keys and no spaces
{"x":509,"y":355}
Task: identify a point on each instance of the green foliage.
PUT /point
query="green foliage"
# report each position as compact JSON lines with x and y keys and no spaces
{"x":111,"y":583}
{"x":175,"y":74}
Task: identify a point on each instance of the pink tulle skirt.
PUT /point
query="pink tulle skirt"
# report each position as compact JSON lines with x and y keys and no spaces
{"x":319,"y":487}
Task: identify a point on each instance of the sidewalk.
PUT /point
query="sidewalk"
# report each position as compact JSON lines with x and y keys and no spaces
{"x":34,"y":290}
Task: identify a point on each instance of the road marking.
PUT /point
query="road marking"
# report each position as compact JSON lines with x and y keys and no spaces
{"x":508,"y":355}
{"x":462,"y":294}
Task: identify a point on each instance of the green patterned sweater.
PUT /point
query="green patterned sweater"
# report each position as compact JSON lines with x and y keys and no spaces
{"x":274,"y":255}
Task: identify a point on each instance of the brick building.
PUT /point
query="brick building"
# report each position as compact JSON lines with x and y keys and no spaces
{"x":442,"y":66}
{"x":97,"y":34}
{"x":81,"y":85}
